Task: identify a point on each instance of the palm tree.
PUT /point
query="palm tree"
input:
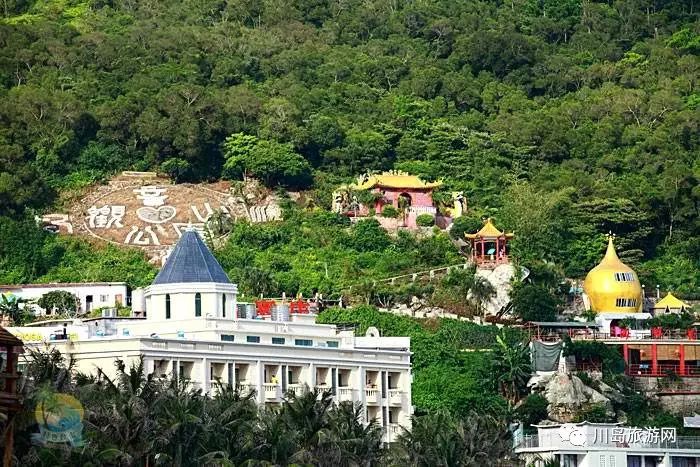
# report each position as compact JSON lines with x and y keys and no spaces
{"x":308,"y":416}
{"x":441,"y":439}
{"x":358,"y":443}
{"x":512,"y":366}
{"x":10,"y":309}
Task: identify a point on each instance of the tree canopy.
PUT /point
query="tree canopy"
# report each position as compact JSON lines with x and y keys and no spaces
{"x":564,"y":120}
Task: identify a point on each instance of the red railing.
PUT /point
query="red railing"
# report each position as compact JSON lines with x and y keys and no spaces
{"x":662,"y":369}
{"x":622,"y":334}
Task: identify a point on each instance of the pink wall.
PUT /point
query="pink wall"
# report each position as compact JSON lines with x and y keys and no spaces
{"x":418,"y":198}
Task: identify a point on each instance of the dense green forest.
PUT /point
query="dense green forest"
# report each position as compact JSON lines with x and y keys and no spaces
{"x":564,"y":119}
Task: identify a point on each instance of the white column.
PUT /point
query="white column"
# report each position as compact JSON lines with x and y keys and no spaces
{"x":361,"y":383}
{"x":311,"y":379}
{"x":206,"y":383}
{"x":259,"y":383}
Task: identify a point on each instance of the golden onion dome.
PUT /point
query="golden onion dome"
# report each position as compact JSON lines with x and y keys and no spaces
{"x":612,"y":286}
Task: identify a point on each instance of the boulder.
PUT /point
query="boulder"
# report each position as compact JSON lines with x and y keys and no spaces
{"x":567,"y":396}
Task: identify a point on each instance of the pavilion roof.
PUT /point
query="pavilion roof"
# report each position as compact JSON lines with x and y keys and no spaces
{"x":671,"y":302}
{"x":489,"y":231}
{"x":6,"y":338}
{"x":393,"y":179}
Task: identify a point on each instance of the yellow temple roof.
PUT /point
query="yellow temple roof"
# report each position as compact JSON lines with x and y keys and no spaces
{"x":671,"y":302}
{"x":488,"y":231}
{"x":393,"y":179}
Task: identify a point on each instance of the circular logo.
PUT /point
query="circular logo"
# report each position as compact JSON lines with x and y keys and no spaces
{"x":60,"y":418}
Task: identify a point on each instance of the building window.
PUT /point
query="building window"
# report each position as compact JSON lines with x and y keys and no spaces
{"x":223,"y":304}
{"x":198,"y":304}
{"x":167,"y":306}
{"x":253,"y":339}
{"x":624,"y":277}
{"x":304,"y":342}
{"x":602,"y":461}
{"x":227,"y":337}
{"x":103,"y":298}
{"x":278,"y":340}
{"x":333,"y":344}
{"x":626,"y":302}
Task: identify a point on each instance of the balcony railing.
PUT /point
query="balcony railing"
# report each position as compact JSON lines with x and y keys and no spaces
{"x":395,"y":396}
{"x":372,"y":396}
{"x":345,"y":394}
{"x":296,"y":389}
{"x":590,"y":334}
{"x":662,"y":369}
{"x":271,"y":390}
{"x":245,"y":388}
{"x":554,"y":443}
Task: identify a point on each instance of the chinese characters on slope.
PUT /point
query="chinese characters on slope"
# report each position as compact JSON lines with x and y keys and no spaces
{"x":154,"y":212}
{"x":618,"y":436}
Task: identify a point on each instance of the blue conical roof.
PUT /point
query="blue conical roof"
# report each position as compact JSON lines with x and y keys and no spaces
{"x":191,"y":261}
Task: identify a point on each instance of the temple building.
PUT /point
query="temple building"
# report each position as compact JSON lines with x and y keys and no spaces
{"x":410,"y":195}
{"x":489,"y":246}
{"x":612,"y":286}
{"x":670,"y":304}
{"x":195,"y":329}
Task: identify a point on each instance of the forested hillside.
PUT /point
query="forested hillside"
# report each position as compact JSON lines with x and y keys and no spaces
{"x":563,"y":118}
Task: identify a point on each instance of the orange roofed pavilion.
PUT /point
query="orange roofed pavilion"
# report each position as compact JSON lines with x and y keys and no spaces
{"x":489,"y":245}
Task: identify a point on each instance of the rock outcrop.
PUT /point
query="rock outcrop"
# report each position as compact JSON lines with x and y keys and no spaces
{"x":567,"y":396}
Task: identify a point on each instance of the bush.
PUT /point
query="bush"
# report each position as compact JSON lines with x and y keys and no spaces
{"x":390,"y":212}
{"x":533,"y":410}
{"x":59,"y":302}
{"x":533,"y":302}
{"x":425,"y":220}
{"x":595,"y":413}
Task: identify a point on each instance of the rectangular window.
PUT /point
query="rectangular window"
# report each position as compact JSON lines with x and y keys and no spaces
{"x":103,"y":298}
{"x":278,"y":340}
{"x":304,"y":342}
{"x":332,"y":344}
{"x":227,"y":337}
{"x":626,"y":302}
{"x":602,"y":461}
{"x":253,"y":339}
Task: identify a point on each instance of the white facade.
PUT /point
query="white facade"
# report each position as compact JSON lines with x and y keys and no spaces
{"x":192,"y":331}
{"x":268,"y":357}
{"x":92,"y":295}
{"x":607,"y":445}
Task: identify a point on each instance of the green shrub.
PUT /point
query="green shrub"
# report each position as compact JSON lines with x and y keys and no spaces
{"x":390,"y":212}
{"x":425,"y":220}
{"x":595,"y":413}
{"x":533,"y":410}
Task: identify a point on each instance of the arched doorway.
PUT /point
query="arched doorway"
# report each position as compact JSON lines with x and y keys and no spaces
{"x":403,"y":203}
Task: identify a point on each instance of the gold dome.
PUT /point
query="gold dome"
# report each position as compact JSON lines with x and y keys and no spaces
{"x":612,"y":286}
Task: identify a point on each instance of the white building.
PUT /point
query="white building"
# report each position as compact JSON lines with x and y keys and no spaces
{"x":91,"y":295}
{"x":608,"y":445}
{"x":192,"y":330}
